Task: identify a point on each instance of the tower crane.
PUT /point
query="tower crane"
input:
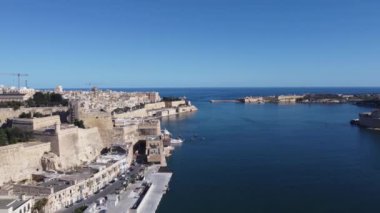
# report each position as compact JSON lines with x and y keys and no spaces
{"x":19,"y":75}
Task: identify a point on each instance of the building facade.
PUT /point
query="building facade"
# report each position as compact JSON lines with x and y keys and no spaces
{"x":65,"y":190}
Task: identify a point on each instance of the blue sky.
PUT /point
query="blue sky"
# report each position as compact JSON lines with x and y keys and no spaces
{"x":191,"y":43}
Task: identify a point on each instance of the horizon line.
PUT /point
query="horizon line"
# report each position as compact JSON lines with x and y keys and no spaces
{"x":218,"y":87}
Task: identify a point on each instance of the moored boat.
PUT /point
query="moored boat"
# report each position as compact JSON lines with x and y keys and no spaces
{"x":176,"y":141}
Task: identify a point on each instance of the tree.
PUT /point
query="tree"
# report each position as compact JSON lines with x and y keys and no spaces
{"x":39,"y":205}
{"x":38,"y":115}
{"x":16,"y":135}
{"x":56,"y":98}
{"x":25,"y":115}
{"x":3,"y":138}
{"x":15,"y":105}
{"x":80,"y":209}
{"x":40,"y":99}
{"x":79,"y":123}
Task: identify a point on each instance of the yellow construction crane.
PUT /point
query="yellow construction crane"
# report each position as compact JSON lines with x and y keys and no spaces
{"x":19,"y":75}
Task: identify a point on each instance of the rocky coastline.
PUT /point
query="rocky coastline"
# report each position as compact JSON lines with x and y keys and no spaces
{"x":366,"y":100}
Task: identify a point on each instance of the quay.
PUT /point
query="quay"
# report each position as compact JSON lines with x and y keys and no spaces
{"x":160,"y":181}
{"x":133,"y":202}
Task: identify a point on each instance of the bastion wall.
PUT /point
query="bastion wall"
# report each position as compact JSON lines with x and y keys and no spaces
{"x":78,"y":146}
{"x":157,"y":105}
{"x":74,"y":146}
{"x":104,"y":124}
{"x":132,"y":114}
{"x":9,"y":113}
{"x":18,"y":161}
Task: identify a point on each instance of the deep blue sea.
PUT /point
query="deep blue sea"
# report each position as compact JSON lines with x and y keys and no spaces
{"x":271,"y":158}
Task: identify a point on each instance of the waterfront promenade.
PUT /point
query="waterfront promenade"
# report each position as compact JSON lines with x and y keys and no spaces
{"x":149,"y":203}
{"x":159,"y":187}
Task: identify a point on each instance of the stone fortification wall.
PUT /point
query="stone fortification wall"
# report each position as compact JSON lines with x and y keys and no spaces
{"x":74,"y":146}
{"x":174,"y":103}
{"x":77,"y":146}
{"x":103,"y":121}
{"x":18,"y":161}
{"x":157,"y":105}
{"x":152,"y":127}
{"x":154,"y":109}
{"x":132,"y":114}
{"x":31,"y":124}
{"x":125,"y":135}
{"x":100,"y":120}
{"x":9,"y":113}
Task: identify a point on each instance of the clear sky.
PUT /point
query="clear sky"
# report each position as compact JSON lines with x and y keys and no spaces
{"x":191,"y":43}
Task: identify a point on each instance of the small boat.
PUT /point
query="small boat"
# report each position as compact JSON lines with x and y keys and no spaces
{"x":355,"y":122}
{"x":176,"y":141}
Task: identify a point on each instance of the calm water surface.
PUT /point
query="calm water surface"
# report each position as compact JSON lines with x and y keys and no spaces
{"x":271,"y":158}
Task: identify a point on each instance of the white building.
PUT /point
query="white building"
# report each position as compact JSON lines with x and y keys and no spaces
{"x":58,"y":89}
{"x":16,"y":205}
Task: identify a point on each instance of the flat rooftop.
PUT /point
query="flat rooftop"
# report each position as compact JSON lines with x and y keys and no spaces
{"x":12,"y":94}
{"x":57,"y":184}
{"x":8,"y":202}
{"x":81,"y":174}
{"x":60,"y":182}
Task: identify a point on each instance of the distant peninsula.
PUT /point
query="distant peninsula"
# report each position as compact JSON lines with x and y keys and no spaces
{"x":369,"y":100}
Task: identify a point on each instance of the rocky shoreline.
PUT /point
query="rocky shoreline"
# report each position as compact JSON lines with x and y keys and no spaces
{"x":367,"y":100}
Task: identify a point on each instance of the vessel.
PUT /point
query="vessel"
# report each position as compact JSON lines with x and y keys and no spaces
{"x":176,"y":141}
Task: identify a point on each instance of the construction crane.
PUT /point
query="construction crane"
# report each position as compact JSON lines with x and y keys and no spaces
{"x":19,"y":75}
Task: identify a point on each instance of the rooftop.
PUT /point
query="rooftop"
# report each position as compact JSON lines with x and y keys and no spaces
{"x":6,"y":203}
{"x":57,"y":184}
{"x":12,"y":94}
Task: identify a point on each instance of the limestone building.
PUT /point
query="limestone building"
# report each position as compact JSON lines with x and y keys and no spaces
{"x":18,"y":97}
{"x":16,"y":205}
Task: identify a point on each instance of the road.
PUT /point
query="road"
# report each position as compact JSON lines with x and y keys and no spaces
{"x":110,"y":189}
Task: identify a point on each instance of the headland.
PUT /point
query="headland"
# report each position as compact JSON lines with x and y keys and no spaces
{"x":85,"y":151}
{"x":369,"y":99}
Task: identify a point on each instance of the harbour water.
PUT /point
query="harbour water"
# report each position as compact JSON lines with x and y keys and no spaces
{"x":271,"y":158}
